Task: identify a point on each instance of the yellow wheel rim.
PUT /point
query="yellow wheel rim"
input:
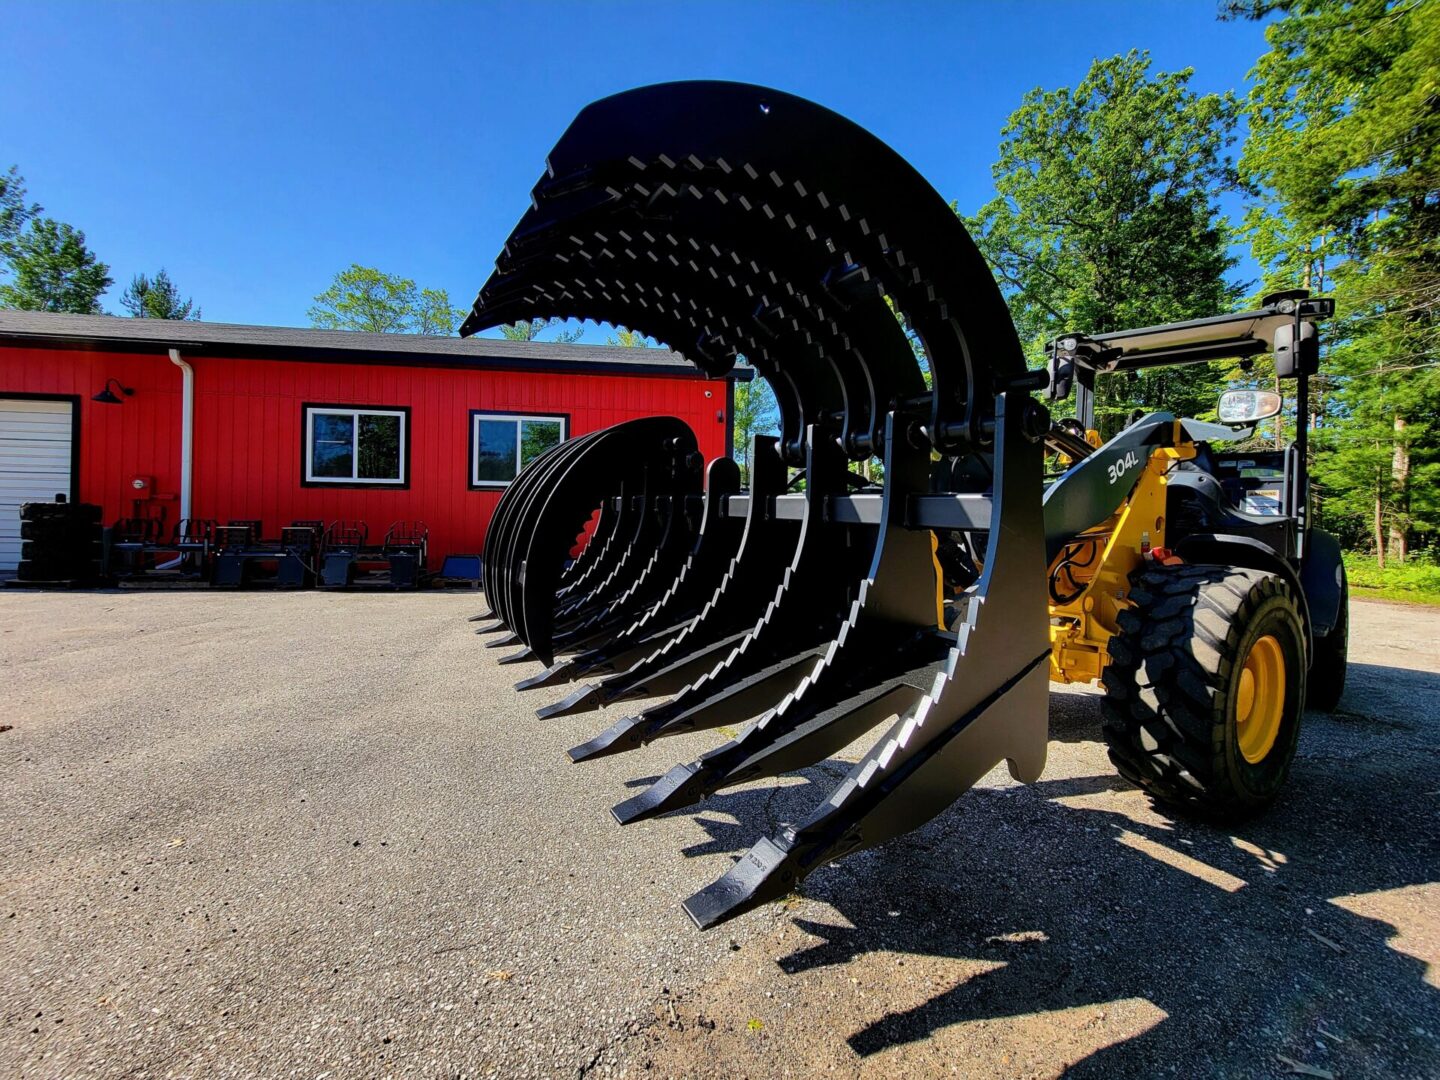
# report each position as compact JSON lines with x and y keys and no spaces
{"x":1260,"y":699}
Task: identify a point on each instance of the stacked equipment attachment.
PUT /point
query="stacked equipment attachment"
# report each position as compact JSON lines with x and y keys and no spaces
{"x":731,"y":221}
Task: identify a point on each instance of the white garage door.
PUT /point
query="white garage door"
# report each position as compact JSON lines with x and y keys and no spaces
{"x":34,"y":463}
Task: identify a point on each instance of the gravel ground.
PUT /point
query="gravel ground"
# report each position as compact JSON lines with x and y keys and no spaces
{"x":310,"y":834}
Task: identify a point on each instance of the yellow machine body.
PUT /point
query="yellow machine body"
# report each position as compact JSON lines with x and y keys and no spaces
{"x":1094,"y":570}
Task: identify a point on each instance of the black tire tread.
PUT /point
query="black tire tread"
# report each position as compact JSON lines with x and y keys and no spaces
{"x":1167,"y":683}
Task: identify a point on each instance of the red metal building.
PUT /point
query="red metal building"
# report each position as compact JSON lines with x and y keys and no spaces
{"x":291,"y":424}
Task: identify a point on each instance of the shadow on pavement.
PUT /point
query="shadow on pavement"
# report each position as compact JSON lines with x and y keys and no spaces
{"x":1284,"y":936}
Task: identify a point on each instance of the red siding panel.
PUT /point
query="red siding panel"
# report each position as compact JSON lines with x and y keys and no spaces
{"x":248,"y":431}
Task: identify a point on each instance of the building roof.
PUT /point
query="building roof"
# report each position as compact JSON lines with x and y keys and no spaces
{"x":117,"y":334}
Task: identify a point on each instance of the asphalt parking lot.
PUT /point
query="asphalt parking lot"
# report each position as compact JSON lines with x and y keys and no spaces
{"x":304,"y":835}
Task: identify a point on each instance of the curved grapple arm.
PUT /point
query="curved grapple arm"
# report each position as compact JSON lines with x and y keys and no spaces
{"x":734,"y":222}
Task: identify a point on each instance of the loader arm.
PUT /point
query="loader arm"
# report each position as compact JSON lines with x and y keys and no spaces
{"x":1102,"y":519}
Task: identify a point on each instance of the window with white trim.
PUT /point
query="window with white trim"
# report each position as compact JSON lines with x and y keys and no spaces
{"x":345,"y":445}
{"x":501,"y":444}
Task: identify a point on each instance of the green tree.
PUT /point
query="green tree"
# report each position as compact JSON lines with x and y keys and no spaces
{"x":627,"y":339}
{"x":530,"y":331}
{"x":1344,"y":156}
{"x":435,"y":316}
{"x":1105,"y":217}
{"x":14,"y":212}
{"x":363,"y":298}
{"x":156,"y":298}
{"x":53,"y":270}
{"x":756,"y":413}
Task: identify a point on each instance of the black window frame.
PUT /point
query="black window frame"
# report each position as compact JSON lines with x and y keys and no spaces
{"x":306,"y":480}
{"x":505,"y":414}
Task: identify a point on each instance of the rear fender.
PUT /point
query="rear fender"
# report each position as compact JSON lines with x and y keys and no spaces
{"x":1321,"y":575}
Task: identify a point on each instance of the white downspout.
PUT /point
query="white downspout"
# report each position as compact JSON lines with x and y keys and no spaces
{"x":187,"y":429}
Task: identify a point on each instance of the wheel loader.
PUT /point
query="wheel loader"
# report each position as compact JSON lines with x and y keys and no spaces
{"x":922,"y":617}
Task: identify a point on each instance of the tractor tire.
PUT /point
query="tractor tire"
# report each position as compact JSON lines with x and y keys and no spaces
{"x":44,"y":529}
{"x":66,"y":550}
{"x":1327,"y":669}
{"x":76,"y":513}
{"x":1206,"y":687}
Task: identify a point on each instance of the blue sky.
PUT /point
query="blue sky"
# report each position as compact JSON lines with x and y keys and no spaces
{"x":255,"y":149}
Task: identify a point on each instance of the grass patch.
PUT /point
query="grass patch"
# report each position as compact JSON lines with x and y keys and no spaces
{"x":1416,"y":581}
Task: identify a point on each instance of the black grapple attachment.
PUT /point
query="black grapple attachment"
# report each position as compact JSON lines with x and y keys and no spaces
{"x":733,"y":222}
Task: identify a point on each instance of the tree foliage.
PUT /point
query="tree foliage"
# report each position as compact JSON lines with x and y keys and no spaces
{"x":627,"y":339}
{"x":1105,"y":217}
{"x":756,"y":412}
{"x":1344,"y":156}
{"x":52,"y":269}
{"x":530,"y":331}
{"x":15,"y":211}
{"x":363,"y":298}
{"x":156,"y":298}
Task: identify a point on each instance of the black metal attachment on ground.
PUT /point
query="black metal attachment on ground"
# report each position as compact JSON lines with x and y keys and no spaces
{"x":734,"y":222}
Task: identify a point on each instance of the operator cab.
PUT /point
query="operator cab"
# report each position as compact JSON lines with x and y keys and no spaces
{"x":1263,"y":493}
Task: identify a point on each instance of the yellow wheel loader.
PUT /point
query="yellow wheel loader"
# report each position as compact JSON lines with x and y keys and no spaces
{"x":921,"y":617}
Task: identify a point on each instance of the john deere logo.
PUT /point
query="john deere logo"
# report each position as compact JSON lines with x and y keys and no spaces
{"x":1121,"y":466}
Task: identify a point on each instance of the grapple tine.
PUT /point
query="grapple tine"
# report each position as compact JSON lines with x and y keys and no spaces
{"x":666,"y":557}
{"x":596,"y":550}
{"x":635,"y":537}
{"x":733,"y":703}
{"x":807,"y":609}
{"x":988,"y":705}
{"x":545,"y":509}
{"x":836,"y":728}
{"x":583,"y":699}
{"x":615,"y":655}
{"x":558,"y":672}
{"x":739,"y":598}
{"x":882,"y":658}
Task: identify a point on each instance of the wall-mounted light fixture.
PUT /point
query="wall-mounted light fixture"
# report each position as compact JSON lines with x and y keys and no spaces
{"x":107,"y":396}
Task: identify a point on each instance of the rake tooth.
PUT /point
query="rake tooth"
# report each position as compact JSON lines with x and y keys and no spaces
{"x":683,"y":785}
{"x":487,"y":614}
{"x":625,"y":734}
{"x":493,"y":628}
{"x":504,"y":642}
{"x":524,"y":656}
{"x":558,"y":672}
{"x":737,"y":600}
{"x":585,"y":699}
{"x":764,"y":873}
{"x":618,"y":655}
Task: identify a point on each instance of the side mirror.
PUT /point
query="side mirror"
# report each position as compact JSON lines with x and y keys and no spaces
{"x":1245,"y":407}
{"x":1296,"y":354}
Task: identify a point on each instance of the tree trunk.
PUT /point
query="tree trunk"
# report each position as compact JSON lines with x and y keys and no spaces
{"x":1400,"y":478}
{"x":1379,"y":522}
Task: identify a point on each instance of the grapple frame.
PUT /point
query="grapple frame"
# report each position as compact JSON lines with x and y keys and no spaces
{"x":731,"y":221}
